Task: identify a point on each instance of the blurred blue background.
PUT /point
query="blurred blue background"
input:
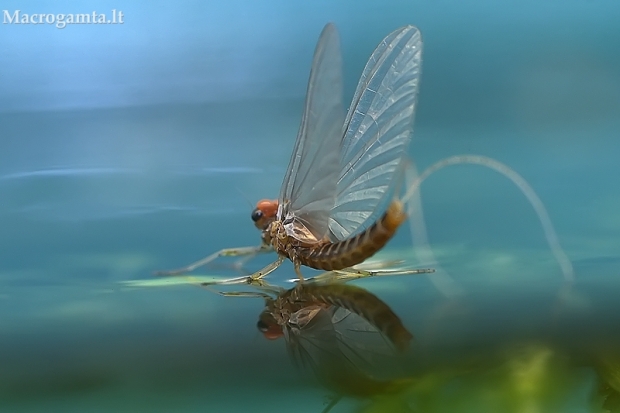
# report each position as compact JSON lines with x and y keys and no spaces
{"x":127,"y":148}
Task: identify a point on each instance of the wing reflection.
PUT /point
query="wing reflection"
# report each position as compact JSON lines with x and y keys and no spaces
{"x":475,"y":353}
{"x":348,"y":337}
{"x":342,"y":332}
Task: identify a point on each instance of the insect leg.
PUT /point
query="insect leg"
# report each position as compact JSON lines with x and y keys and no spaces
{"x":266,"y":271}
{"x":248,"y":252}
{"x":298,"y":270}
{"x":352,"y":273}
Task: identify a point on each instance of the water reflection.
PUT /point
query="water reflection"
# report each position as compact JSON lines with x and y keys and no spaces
{"x":349,"y":338}
{"x":353,"y":342}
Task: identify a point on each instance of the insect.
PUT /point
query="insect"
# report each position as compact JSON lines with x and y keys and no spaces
{"x":297,"y":307}
{"x":337,"y":204}
{"x":343,"y":333}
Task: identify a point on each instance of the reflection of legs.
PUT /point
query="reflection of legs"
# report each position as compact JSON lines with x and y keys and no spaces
{"x":249,"y":294}
{"x":246,"y":252}
{"x":260,"y":285}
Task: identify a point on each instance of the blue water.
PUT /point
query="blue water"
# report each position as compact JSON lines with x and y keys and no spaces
{"x":130,"y":148}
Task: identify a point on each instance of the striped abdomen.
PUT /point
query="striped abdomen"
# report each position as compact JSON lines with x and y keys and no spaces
{"x":352,"y":251}
{"x":362,"y":303}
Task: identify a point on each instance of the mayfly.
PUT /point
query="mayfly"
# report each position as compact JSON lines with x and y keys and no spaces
{"x":337,"y":204}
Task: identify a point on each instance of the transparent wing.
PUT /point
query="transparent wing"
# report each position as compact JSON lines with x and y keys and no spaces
{"x":309,"y":188}
{"x":377,"y":131}
{"x":310,"y":335}
{"x":337,"y":345}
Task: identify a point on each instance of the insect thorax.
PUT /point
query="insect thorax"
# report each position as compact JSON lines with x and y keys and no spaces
{"x":275,"y":234}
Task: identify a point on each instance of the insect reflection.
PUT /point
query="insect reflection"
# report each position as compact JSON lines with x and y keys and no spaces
{"x":347,"y":336}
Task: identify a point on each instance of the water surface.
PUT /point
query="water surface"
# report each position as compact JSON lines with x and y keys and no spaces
{"x":101,"y":189}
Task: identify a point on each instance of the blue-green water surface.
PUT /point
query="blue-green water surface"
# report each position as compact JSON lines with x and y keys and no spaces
{"x":133,"y":148}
